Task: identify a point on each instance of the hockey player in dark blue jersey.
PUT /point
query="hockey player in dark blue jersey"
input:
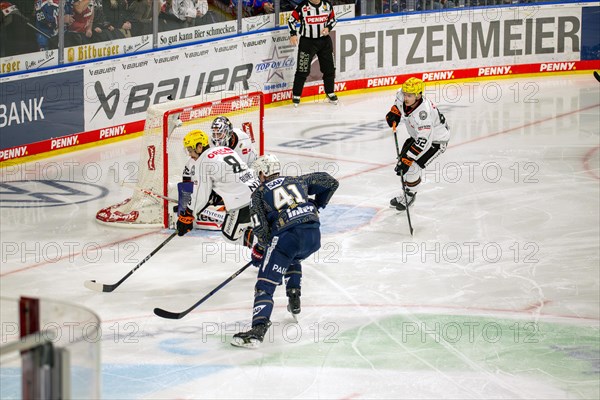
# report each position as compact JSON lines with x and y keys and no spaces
{"x":286,"y":224}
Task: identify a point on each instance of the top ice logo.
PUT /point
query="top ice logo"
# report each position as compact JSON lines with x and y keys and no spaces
{"x":274,"y":64}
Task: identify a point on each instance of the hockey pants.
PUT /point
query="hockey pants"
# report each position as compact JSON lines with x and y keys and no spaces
{"x":283,"y":258}
{"x":307,"y":49}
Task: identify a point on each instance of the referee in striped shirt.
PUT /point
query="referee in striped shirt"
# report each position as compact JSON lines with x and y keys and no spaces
{"x":316,"y":19}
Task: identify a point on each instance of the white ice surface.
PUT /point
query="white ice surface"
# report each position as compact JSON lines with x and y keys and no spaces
{"x":495,"y":296}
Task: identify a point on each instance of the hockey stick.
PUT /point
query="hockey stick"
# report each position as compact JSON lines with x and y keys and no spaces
{"x":597,"y":76}
{"x":217,"y":216}
{"x":402,"y":180}
{"x":178,"y":315}
{"x":99,"y":287}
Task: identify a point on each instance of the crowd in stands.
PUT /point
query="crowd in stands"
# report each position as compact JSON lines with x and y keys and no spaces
{"x":27,"y":26}
{"x":32,"y":25}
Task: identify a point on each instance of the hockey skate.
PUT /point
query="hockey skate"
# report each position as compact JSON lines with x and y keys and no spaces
{"x":333,"y":99}
{"x":252,"y":338}
{"x":293,"y":302}
{"x":296,"y":101}
{"x":399,"y":203}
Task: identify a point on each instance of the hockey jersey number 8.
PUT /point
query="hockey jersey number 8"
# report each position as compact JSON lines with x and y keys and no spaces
{"x":221,"y":169}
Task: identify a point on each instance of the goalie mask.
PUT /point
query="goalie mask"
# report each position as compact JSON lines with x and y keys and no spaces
{"x":268,"y":164}
{"x":221,"y":131}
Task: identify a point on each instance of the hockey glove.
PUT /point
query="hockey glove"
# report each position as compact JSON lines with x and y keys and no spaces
{"x":403,"y":165}
{"x":185,"y":223}
{"x":393,"y":117}
{"x":314,"y":203}
{"x":248,"y":236}
{"x":258,"y":252}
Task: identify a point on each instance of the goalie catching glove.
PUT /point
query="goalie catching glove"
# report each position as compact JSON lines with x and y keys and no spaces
{"x":393,"y":117}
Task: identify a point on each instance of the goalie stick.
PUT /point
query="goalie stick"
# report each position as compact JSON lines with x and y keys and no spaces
{"x":597,"y":76}
{"x":99,"y":287}
{"x":178,"y":315}
{"x":402,"y":180}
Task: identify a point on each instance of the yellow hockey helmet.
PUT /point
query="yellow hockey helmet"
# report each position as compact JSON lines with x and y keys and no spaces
{"x":413,"y":85}
{"x":194,"y":137}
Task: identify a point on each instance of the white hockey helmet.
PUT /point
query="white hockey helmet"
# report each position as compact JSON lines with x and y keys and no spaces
{"x":268,"y":164}
{"x":221,"y":129}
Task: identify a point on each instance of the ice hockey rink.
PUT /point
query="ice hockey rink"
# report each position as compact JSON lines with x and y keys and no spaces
{"x":496,"y":296}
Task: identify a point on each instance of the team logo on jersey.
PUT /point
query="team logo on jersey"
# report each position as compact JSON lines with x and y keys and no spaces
{"x":423,"y":115}
{"x":258,"y":309}
{"x":316,"y":19}
{"x":223,"y":150}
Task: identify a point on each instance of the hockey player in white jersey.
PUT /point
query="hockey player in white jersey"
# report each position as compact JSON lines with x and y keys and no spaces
{"x":224,"y":134}
{"x":429,"y":135}
{"x":219,"y":170}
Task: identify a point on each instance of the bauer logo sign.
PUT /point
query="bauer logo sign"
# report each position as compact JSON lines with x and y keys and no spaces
{"x":41,"y":108}
{"x":124,"y":96}
{"x":166,"y":60}
{"x":225,"y":49}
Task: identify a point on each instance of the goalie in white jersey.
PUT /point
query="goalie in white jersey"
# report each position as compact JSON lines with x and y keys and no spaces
{"x":429,"y":135}
{"x":219,"y":170}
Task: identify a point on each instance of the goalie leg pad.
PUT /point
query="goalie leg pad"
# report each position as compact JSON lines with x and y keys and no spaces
{"x":235,"y":223}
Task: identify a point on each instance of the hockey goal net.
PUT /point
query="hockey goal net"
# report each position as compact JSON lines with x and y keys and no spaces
{"x":162,"y":156}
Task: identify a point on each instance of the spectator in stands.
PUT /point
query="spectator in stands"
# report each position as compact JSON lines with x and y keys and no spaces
{"x":289,"y":5}
{"x":253,"y":7}
{"x":116,"y":14}
{"x":16,"y":33}
{"x":394,"y":6}
{"x":263,"y":7}
{"x":203,"y":15}
{"x":102,"y":29}
{"x":442,"y":4}
{"x":80,"y":31}
{"x":46,"y":21}
{"x":140,"y":12}
{"x":169,"y":16}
